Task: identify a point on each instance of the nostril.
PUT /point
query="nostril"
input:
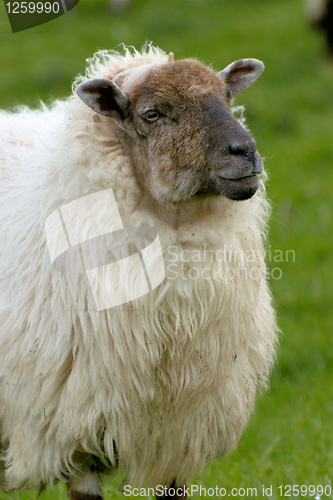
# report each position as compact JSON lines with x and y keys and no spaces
{"x":247,"y":150}
{"x":238,"y":149}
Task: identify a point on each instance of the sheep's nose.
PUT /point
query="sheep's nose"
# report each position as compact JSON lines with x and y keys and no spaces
{"x":247,"y":149}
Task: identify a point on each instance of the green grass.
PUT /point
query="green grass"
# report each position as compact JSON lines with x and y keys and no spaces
{"x":289,"y":439}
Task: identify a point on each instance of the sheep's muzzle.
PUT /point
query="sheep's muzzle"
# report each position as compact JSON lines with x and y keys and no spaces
{"x":232,"y":160}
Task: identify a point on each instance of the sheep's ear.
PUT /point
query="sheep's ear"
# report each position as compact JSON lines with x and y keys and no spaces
{"x":240,"y":74}
{"x":104,"y":97}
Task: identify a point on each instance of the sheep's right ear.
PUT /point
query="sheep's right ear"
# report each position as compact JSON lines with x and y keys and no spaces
{"x":104,"y":97}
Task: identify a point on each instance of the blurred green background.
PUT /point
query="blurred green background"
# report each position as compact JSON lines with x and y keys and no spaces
{"x":289,"y":110}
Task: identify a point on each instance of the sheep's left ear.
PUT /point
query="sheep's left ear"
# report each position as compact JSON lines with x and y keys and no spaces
{"x":104,"y":97}
{"x":241,"y":74}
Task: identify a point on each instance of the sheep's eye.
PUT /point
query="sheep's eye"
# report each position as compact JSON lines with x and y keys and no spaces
{"x":151,"y":115}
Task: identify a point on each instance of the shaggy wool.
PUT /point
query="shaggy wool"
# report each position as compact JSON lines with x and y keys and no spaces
{"x":161,"y":385}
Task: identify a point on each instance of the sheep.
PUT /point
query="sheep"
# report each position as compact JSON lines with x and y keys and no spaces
{"x":163,"y":384}
{"x":320,"y":15}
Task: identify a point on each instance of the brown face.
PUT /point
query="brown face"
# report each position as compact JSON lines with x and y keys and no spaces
{"x":181,"y":136}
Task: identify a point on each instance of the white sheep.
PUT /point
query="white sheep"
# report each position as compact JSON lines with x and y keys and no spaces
{"x":163,"y":385}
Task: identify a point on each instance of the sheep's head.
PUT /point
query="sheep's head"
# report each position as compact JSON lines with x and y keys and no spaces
{"x":176,"y":123}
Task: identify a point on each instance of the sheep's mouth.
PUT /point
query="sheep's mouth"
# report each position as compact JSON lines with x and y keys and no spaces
{"x":238,"y":178}
{"x":241,"y":188}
